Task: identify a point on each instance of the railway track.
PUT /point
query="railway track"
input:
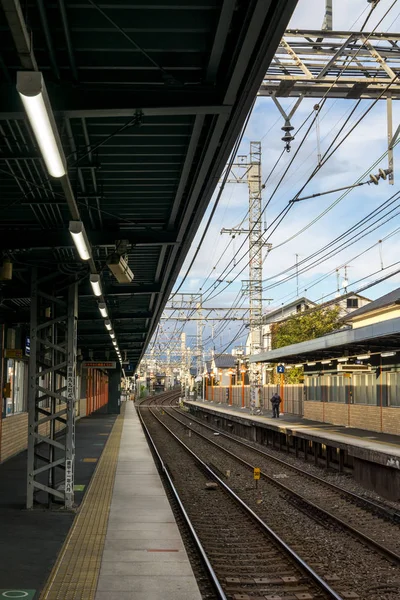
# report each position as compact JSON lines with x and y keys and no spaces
{"x":248,"y":559}
{"x":370,"y":521}
{"x":362,"y":518}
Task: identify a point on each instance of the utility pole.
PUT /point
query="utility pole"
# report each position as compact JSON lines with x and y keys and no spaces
{"x":183,"y":363}
{"x":253,"y":286}
{"x":328,"y":18}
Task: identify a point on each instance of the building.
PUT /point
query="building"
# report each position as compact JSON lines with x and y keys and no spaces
{"x":224,"y":368}
{"x":352,"y":376}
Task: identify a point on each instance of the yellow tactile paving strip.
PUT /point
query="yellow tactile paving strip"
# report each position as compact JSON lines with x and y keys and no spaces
{"x":75,"y":574}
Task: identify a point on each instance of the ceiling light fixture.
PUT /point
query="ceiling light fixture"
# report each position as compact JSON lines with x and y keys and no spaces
{"x":33,"y":93}
{"x":112,"y":334}
{"x":363,"y":356}
{"x":103,"y":310}
{"x":343,"y":359}
{"x":385,"y":354}
{"x":299,"y":365}
{"x":77,"y":230}
{"x":95,"y":283}
{"x":108,"y":325}
{"x":311,"y":364}
{"x":326,"y":362}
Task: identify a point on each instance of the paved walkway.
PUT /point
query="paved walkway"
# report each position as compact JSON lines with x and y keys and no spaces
{"x":124,"y":543}
{"x":144,"y":557}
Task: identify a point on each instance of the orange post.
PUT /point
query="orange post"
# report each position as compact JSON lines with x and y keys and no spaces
{"x":230,"y":388}
{"x":243,"y":372}
{"x":281,"y":393}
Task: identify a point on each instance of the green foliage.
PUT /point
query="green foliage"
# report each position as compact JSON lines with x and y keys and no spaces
{"x":306,"y":326}
{"x":300,"y":328}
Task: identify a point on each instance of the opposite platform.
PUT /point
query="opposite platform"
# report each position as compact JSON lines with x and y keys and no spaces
{"x":368,"y":445}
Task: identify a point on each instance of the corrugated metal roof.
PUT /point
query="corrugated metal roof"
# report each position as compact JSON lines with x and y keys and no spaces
{"x":149,"y":98}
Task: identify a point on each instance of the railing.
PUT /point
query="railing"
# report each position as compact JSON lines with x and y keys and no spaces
{"x":237,"y":395}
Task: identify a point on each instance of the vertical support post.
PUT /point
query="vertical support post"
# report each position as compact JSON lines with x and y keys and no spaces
{"x":72,"y":321}
{"x":281,"y":393}
{"x":243,"y":401}
{"x":390,"y":136}
{"x":230,"y":388}
{"x":51,"y":391}
{"x":32,"y":391}
{"x":341,"y":460}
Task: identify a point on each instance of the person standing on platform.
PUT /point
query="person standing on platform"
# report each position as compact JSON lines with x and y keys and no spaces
{"x":275,"y":401}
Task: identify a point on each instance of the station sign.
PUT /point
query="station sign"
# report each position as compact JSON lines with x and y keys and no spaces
{"x":280,"y":369}
{"x":11,"y":353}
{"x":100,"y":364}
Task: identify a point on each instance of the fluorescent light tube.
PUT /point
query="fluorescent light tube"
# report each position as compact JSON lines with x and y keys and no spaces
{"x":363,"y":356}
{"x":103,"y":310}
{"x":112,"y":335}
{"x":311,"y":364}
{"x":77,"y":230}
{"x":114,"y":342}
{"x":108,"y":325}
{"x":95,"y":283}
{"x":326,"y":362}
{"x":343,"y":359}
{"x":32,"y":90}
{"x":384,"y":354}
{"x":298,"y":366}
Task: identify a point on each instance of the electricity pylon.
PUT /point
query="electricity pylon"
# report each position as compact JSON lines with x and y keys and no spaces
{"x":253,"y":286}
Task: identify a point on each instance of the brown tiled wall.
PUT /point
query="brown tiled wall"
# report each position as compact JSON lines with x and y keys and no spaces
{"x":372,"y":418}
{"x":14,"y":435}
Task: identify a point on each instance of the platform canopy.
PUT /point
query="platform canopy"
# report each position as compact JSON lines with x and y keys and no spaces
{"x":149,"y":98}
{"x":376,"y":338}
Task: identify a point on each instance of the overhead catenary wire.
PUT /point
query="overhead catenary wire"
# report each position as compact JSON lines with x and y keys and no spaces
{"x":285,"y":211}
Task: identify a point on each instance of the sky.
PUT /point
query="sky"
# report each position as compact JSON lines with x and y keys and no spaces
{"x":367,"y":259}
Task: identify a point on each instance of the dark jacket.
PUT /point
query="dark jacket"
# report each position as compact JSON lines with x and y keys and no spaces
{"x":276,"y":400}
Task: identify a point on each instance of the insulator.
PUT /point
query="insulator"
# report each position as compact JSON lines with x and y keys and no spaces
{"x":374,"y":179}
{"x":287,"y":138}
{"x":287,"y":127}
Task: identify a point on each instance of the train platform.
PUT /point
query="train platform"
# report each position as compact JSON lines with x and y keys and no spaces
{"x":373,"y":457}
{"x":124,"y":543}
{"x":368,"y":441}
{"x":31,"y":540}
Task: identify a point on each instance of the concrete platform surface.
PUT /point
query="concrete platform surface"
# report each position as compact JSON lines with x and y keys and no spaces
{"x":347,"y":437}
{"x":31,"y":540}
{"x":144,"y":557}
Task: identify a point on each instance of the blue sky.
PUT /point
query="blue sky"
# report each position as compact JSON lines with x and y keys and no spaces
{"x":364,"y":146}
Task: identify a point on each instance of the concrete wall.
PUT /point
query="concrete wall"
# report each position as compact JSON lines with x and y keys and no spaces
{"x":373,"y":418}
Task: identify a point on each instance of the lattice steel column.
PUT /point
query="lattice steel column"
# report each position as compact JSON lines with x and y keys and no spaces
{"x":255,"y":265}
{"x":52,"y":393}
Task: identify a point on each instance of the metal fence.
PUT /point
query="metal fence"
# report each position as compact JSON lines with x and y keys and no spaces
{"x":292,"y":396}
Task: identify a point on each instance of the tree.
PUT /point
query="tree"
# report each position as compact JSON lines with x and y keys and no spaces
{"x":300,"y":328}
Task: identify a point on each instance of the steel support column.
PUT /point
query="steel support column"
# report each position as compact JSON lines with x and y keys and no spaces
{"x":51,"y":393}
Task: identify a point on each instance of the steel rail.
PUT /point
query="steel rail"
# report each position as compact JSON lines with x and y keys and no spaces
{"x":373,"y":506}
{"x":266,"y":529}
{"x":390,"y":554}
{"x":202,"y":552}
